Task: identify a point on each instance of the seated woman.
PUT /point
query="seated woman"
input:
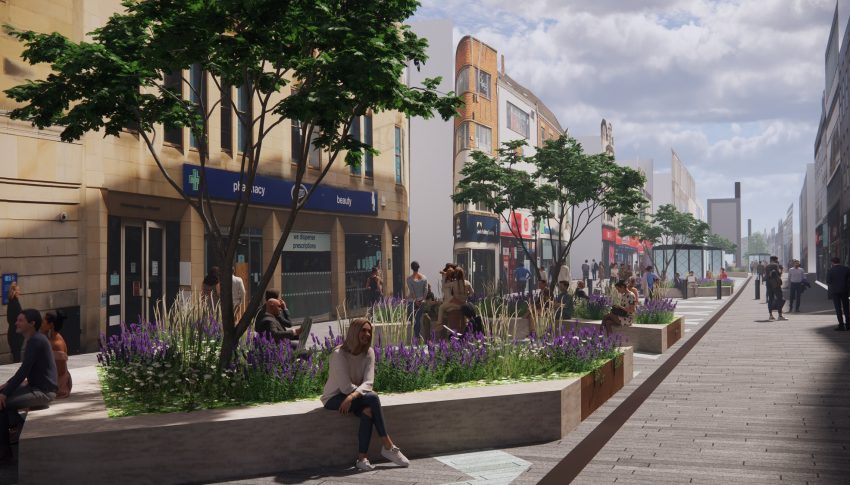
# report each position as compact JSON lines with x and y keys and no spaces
{"x":623,"y":309}
{"x":580,"y":293}
{"x":454,"y":295}
{"x":51,"y":327}
{"x":349,"y":390}
{"x":564,"y":303}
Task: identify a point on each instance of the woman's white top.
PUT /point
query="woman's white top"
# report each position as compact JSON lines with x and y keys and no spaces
{"x":349,"y":373}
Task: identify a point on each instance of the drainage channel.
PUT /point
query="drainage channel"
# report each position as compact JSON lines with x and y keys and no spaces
{"x":569,"y":468}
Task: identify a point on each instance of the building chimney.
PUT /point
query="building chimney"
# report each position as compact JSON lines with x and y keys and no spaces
{"x":503,"y":65}
{"x":737,"y":190}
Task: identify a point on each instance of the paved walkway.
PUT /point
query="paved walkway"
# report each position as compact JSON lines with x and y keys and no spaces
{"x":754,"y":402}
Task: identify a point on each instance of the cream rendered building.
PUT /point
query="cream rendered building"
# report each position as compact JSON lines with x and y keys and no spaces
{"x":92,"y":227}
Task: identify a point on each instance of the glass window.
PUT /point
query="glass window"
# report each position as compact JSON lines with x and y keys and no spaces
{"x":173,"y":82}
{"x":362,"y":253}
{"x":355,"y":133}
{"x":483,"y":138}
{"x":518,"y":120}
{"x":248,"y":260}
{"x":246,"y":114}
{"x":462,"y":137}
{"x":397,"y":155}
{"x":462,"y":81}
{"x":198,"y":95}
{"x":306,"y":277}
{"x":226,"y":118}
{"x":367,"y":139}
{"x":315,"y":153}
{"x":483,"y":83}
{"x":696,"y":263}
{"x":295,"y":140}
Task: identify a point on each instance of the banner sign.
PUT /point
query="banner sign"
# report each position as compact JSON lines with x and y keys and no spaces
{"x":313,"y":242}
{"x":225,"y":185}
{"x":476,"y":228}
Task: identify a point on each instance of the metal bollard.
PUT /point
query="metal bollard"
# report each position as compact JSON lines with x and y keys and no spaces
{"x":719,"y":289}
{"x":589,"y":287}
{"x":758,"y":289}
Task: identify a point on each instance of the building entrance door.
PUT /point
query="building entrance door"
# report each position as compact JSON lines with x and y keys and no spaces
{"x":142,"y":270}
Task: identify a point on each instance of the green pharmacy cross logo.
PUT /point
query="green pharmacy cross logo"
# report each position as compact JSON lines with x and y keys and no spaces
{"x":194,"y":179}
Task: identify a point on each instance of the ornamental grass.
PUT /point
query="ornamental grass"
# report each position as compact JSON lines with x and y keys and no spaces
{"x":172,"y":364}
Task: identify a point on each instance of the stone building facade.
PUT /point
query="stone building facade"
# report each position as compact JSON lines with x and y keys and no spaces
{"x":93,"y":227}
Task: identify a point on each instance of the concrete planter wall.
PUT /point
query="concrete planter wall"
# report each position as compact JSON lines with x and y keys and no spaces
{"x":220,"y":444}
{"x":709,"y":292}
{"x":649,"y":338}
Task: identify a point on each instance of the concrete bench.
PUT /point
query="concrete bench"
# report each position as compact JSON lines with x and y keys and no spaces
{"x":648,"y":338}
{"x":229,"y":443}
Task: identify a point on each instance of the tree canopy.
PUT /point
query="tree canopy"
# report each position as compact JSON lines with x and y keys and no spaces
{"x":560,"y":185}
{"x":321,"y":63}
{"x":667,"y":226}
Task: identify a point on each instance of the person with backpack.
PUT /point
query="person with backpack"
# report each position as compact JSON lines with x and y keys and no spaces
{"x":774,"y":293}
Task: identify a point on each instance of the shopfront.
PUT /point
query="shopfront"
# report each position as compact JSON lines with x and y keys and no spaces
{"x":247,"y":261}
{"x":306,"y":274}
{"x":476,"y":246}
{"x":362,"y":253}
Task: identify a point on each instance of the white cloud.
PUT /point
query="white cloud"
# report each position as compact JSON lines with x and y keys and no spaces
{"x":733,"y":86}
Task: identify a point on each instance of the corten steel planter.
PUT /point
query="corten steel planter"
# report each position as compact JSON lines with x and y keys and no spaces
{"x":597,"y":387}
{"x":645,"y":337}
{"x":188,"y":447}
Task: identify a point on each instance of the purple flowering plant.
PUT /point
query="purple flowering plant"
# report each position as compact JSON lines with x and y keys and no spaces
{"x":656,"y":311}
{"x":172,"y":365}
{"x":594,"y":308}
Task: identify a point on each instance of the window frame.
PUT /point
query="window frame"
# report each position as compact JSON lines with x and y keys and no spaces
{"x":510,"y":106}
{"x":478,"y":73}
{"x":173,"y":82}
{"x":398,"y":155}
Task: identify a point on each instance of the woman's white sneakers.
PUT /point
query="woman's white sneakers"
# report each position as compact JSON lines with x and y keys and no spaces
{"x":396,"y":456}
{"x":364,"y":465}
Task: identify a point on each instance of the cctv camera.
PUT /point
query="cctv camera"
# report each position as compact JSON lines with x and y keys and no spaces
{"x":63,"y":216}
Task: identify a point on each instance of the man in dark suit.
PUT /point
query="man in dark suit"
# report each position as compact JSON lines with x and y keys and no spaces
{"x":275,"y":321}
{"x":838,"y":281}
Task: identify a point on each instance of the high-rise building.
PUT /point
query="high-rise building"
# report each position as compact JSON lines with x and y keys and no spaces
{"x":431,"y":170}
{"x":677,"y":188}
{"x":724,"y":217}
{"x":806,"y":204}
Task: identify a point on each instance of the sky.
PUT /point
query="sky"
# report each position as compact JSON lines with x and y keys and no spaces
{"x":734,"y":87}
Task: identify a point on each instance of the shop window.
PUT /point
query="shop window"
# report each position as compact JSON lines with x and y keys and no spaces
{"x":398,"y":266}
{"x":398,"y":175}
{"x":226,"y":118}
{"x":306,"y":278}
{"x":296,"y":141}
{"x":362,"y":253}
{"x":198,"y":96}
{"x":247,"y":261}
{"x":173,"y":82}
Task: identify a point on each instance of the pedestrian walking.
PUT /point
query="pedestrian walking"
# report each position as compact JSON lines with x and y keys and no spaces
{"x":838,"y":284}
{"x":238,"y":293}
{"x":796,"y":277}
{"x":615,"y":273}
{"x":521,"y":277}
{"x":650,"y":278}
{"x":417,"y":289}
{"x":774,"y":293}
{"x":768,"y":269}
{"x":594,"y":268}
{"x":585,"y":272}
{"x":760,"y":271}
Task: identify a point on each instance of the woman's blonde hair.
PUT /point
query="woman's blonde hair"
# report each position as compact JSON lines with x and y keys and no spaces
{"x":352,"y":337}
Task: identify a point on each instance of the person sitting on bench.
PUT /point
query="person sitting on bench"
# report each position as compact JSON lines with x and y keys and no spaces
{"x":39,"y":370}
{"x":275,"y":322}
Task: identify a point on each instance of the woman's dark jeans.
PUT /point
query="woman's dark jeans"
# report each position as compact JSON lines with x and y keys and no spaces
{"x":368,"y":400}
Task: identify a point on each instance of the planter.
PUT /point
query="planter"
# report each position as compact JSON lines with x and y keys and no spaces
{"x":519,"y":328}
{"x":189,"y":447}
{"x":712,"y":291}
{"x":645,"y":337}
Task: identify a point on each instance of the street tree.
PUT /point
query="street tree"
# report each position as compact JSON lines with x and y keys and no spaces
{"x":756,"y":244}
{"x":321,"y":63}
{"x":561,"y":186}
{"x":670,"y":227}
{"x":721,"y":242}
